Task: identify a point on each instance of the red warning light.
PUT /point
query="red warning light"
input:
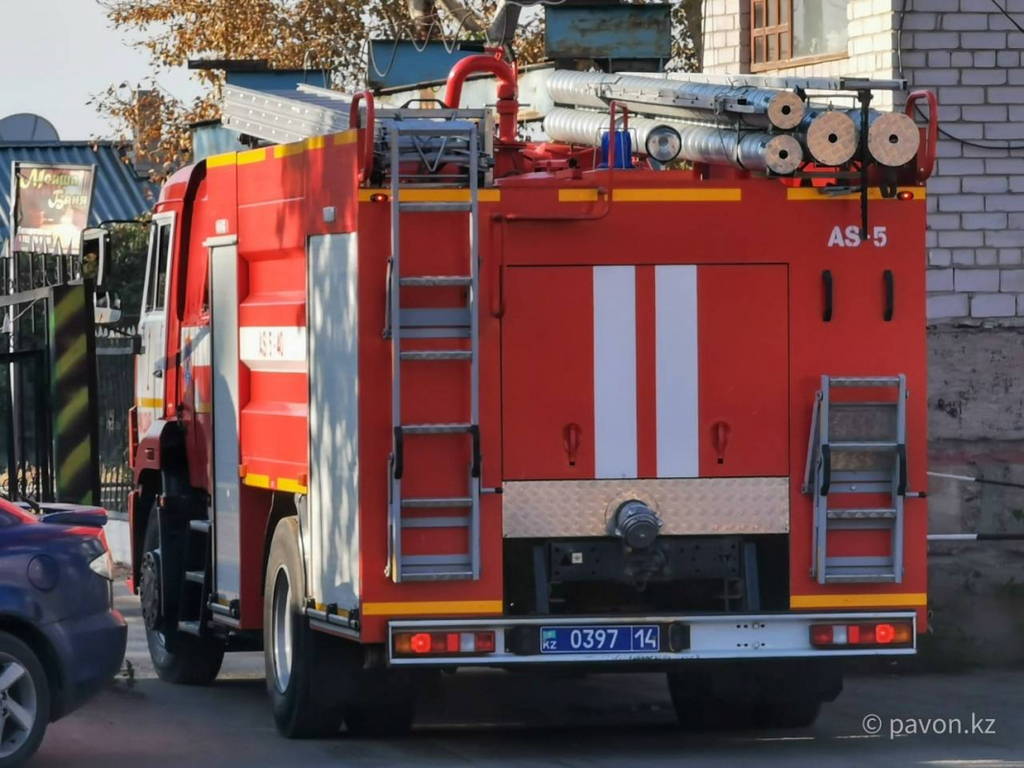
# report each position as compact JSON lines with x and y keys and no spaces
{"x":905,"y":195}
{"x":884,"y":634}
{"x":421,"y":642}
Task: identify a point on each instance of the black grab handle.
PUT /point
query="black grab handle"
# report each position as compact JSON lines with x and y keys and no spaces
{"x":890,"y":299}
{"x":826,"y":279}
{"x":399,"y":454}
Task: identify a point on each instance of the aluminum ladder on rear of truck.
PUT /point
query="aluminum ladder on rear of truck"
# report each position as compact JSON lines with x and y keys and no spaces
{"x":858,"y":447}
{"x":434,"y":323}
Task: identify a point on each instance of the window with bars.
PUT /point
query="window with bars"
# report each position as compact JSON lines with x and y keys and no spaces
{"x":786,"y":33}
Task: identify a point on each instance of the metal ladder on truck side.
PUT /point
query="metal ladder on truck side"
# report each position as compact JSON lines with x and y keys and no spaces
{"x":858,"y":448}
{"x":434,"y":323}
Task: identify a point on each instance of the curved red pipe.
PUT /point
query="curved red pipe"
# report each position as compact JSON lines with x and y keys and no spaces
{"x":508,"y":91}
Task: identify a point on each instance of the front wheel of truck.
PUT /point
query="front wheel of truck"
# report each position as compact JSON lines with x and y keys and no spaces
{"x":178,"y":658}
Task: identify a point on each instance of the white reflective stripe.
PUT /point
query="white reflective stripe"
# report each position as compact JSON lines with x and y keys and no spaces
{"x":615,"y":371}
{"x":676,"y":349}
{"x":273,"y":348}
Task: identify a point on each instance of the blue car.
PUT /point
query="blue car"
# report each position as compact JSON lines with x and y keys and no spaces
{"x":60,"y":638}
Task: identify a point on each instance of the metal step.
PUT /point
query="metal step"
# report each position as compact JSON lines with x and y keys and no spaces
{"x":460,"y":521}
{"x":446,"y":317}
{"x":859,"y":576}
{"x":435,"y":207}
{"x":448,"y":501}
{"x":863,"y":446}
{"x":864,"y":381}
{"x":190,"y":627}
{"x":438,"y":354}
{"x":435,"y":429}
{"x":195,"y":577}
{"x":435,"y":567}
{"x":200,"y":526}
{"x":862,"y":514}
{"x":431,"y":281}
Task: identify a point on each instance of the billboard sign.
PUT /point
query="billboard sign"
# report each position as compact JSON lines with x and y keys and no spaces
{"x":51,"y":205}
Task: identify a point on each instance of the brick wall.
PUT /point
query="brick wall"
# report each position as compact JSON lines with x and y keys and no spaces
{"x":970,"y":54}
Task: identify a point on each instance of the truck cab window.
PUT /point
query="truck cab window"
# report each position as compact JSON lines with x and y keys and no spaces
{"x":156,"y":292}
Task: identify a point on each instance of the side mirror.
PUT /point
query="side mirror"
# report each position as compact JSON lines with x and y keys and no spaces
{"x":96,"y":255}
{"x":137,"y":344}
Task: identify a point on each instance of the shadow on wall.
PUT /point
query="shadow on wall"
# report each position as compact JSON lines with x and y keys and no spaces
{"x":976,"y":428}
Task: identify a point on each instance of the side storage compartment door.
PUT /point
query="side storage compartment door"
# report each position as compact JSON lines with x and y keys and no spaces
{"x":744,"y":370}
{"x":227,"y":487}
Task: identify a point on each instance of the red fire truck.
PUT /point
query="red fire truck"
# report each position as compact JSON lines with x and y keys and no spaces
{"x":418,"y":395}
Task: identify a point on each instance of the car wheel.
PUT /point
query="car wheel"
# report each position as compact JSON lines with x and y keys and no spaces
{"x":24,"y":701}
{"x":309,"y":675}
{"x":178,"y":658}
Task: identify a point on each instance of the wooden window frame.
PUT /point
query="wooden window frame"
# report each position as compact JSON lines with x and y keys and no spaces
{"x":783,"y":34}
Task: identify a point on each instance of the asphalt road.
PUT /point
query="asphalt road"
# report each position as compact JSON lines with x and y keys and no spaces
{"x":492,"y":718}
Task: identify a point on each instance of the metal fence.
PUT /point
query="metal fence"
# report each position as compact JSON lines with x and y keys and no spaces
{"x":24,"y":366}
{"x":115,"y":376}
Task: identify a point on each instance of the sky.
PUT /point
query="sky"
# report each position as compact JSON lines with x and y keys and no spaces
{"x":58,"y":53}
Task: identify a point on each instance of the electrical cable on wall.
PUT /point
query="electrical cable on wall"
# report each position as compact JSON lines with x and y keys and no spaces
{"x":943,"y":132}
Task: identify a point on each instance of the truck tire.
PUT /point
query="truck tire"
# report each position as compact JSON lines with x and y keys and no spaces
{"x":24,"y":701}
{"x":384,"y":704}
{"x":698,"y":708}
{"x":178,"y":658}
{"x":308,"y":673}
{"x":795,"y":713}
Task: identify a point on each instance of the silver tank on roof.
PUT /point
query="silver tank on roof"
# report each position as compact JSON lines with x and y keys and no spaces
{"x":701,"y":142}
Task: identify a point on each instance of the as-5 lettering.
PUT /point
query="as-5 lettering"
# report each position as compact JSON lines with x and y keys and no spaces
{"x":849,"y":237}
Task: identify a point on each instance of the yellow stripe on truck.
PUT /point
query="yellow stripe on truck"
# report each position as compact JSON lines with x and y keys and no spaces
{"x":897,"y":600}
{"x":433,"y":608}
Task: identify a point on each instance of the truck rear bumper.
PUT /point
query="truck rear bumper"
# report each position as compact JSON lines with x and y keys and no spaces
{"x":518,"y":641}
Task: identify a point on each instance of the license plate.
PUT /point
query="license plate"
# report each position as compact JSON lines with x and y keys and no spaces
{"x":641,"y":638}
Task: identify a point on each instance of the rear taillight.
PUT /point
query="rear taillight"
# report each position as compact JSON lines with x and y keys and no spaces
{"x":443,"y":643}
{"x":898,"y":634}
{"x":103,"y":565}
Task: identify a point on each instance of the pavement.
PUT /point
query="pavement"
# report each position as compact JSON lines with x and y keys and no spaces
{"x":969,"y":720}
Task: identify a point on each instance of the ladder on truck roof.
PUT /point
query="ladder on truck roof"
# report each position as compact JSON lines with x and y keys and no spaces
{"x":434,"y":323}
{"x":858,"y":447}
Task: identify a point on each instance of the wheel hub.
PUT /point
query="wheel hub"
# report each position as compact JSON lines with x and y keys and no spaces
{"x":149,"y":590}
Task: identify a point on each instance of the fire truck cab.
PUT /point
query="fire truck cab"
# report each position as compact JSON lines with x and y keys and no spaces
{"x":415,"y":396}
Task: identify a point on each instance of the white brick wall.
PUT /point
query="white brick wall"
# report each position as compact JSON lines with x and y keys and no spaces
{"x":979,"y":212}
{"x":971,"y":55}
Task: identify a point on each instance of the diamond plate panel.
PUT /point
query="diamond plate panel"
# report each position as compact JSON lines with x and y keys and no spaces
{"x":561,"y":508}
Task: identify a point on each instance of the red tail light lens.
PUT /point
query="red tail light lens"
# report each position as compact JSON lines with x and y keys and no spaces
{"x":443,"y":643}
{"x":864,"y":635}
{"x":821,"y":634}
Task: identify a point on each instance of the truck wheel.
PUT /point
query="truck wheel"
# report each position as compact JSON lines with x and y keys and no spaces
{"x":799,"y":713}
{"x":698,"y":709}
{"x":384,"y":706}
{"x":24,"y":701}
{"x":178,"y":658}
{"x":306,"y":672}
